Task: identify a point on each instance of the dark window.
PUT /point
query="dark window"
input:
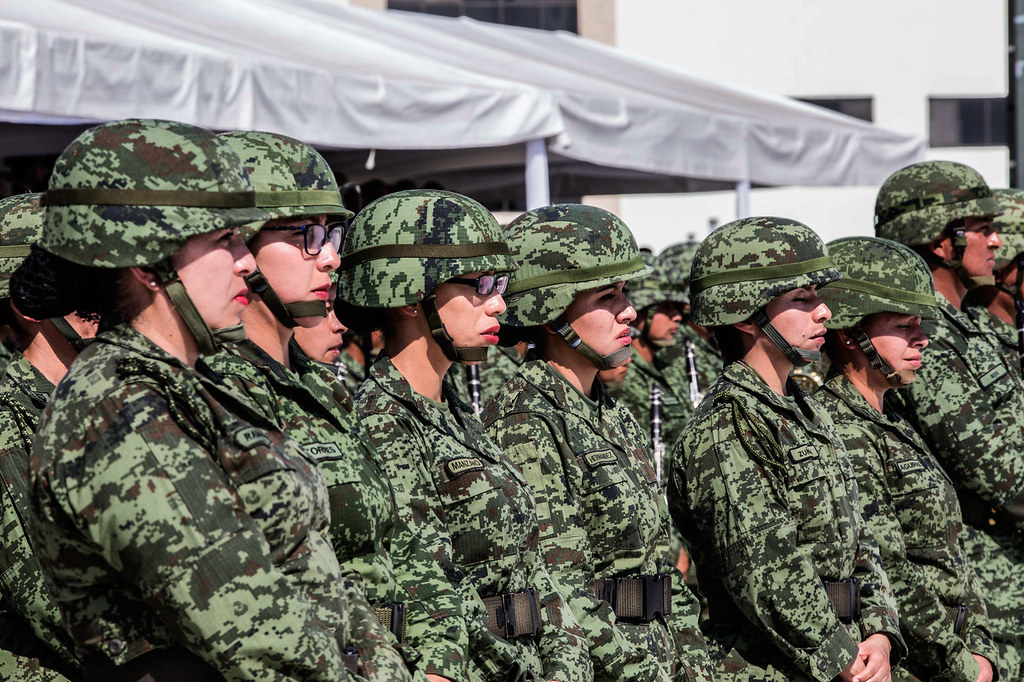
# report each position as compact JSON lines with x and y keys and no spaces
{"x":858,"y":107}
{"x":553,"y":15}
{"x":967,"y":122}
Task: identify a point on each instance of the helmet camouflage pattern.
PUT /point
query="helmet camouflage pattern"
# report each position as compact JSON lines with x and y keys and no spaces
{"x":403,"y":245}
{"x":291,"y":179}
{"x":1009,"y":225}
{"x":741,"y":266}
{"x":879,"y":276}
{"x":676,"y":261}
{"x":21,"y":221}
{"x":562,"y":250}
{"x":130,"y":193}
{"x":916,"y":204}
{"x":655,"y":287}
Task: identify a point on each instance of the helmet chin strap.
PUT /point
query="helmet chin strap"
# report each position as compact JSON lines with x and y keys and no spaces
{"x":959,"y":237}
{"x":168,"y":276}
{"x":284,"y":312}
{"x":797,"y":356}
{"x":69,"y":333}
{"x":895,"y":379}
{"x":443,"y":338}
{"x":602,"y":362}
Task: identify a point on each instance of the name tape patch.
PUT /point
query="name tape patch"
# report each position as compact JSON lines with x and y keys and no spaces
{"x":463,"y":465}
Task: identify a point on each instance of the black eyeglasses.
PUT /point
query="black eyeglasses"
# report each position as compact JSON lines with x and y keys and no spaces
{"x":315,"y":236}
{"x":485,"y":284}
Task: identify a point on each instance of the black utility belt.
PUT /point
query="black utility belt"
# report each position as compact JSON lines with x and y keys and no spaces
{"x":845,"y":598}
{"x":636,"y":600}
{"x":958,"y":617}
{"x":393,"y":617}
{"x":514,"y":614}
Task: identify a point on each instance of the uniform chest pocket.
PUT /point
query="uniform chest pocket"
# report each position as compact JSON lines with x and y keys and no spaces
{"x":805,"y":466}
{"x":601,"y":470}
{"x":248,"y":454}
{"x":463,"y":479}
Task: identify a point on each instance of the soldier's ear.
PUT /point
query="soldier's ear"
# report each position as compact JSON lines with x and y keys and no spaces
{"x":747,"y":327}
{"x":941,"y":247}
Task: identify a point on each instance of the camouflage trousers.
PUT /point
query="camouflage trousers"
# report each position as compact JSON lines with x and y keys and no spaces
{"x":998,"y":563}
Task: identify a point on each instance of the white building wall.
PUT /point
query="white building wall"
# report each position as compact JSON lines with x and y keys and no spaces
{"x":899,"y":52}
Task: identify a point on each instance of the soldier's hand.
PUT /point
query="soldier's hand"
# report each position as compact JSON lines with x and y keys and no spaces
{"x":856,"y":667}
{"x":437,"y":678}
{"x":874,"y":652}
{"x":986,"y":669}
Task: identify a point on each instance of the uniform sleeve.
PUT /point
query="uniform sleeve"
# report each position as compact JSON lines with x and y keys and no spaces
{"x":134,"y":499}
{"x":979,"y":637}
{"x":532,"y":443}
{"x":436,"y":622}
{"x":562,"y":642}
{"x":973,"y":423}
{"x":734,"y":503}
{"x":379,"y":660}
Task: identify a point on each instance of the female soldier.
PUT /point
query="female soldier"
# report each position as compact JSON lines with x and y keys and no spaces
{"x":33,"y":643}
{"x":429,"y":267}
{"x":908,"y":502}
{"x":761,"y":487}
{"x":323,"y":343}
{"x":604,"y":519}
{"x":295,"y":252}
{"x":179,"y":528}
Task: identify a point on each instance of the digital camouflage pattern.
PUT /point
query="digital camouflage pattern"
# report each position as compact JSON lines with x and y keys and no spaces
{"x":500,"y":366}
{"x":449,"y":476}
{"x":290,"y":178}
{"x":562,"y":250}
{"x":676,"y":261}
{"x":464,"y":235}
{"x":602,"y":515}
{"x":1010,"y":226}
{"x":656,"y":287}
{"x":310,"y":406}
{"x":878,"y":276}
{"x":33,"y":643}
{"x":968,"y":405}
{"x":744,"y":264}
{"x":916,"y":204}
{"x":765,"y":496}
{"x":22,"y":221}
{"x":143,"y":155}
{"x":910,"y":508}
{"x":157,"y":517}
{"x":635,"y":396}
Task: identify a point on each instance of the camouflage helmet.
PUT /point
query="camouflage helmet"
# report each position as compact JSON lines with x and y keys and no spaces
{"x":21,"y":221}
{"x":131,"y":193}
{"x":291,"y":179}
{"x":916,"y":204}
{"x":741,"y":266}
{"x":676,"y":261}
{"x":562,"y":250}
{"x":879,"y":276}
{"x":403,"y":245}
{"x":1009,"y":225}
{"x":656,"y":287}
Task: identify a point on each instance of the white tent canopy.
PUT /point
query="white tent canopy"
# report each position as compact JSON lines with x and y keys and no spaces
{"x":448,"y":99}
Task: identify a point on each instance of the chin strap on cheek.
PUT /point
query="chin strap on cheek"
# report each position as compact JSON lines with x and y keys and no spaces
{"x":284,"y":312}
{"x":895,"y":379}
{"x":602,"y":362}
{"x":959,"y":239}
{"x":444,"y":339}
{"x":797,"y":356}
{"x":168,"y":277}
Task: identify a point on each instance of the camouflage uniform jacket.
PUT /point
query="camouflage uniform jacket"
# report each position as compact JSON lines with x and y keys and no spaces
{"x":635,"y":395}
{"x":602,"y":515}
{"x":766,"y":498}
{"x":910,"y":506}
{"x":353,"y":372}
{"x":310,"y":405}
{"x":455,"y":479}
{"x":706,"y":357}
{"x":987,"y":321}
{"x":30,"y":626}
{"x":501,"y":364}
{"x":167,"y":512}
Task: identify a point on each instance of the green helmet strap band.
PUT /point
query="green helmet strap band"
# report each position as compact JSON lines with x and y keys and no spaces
{"x":755,"y":273}
{"x":574,"y":276}
{"x":871,"y":353}
{"x":602,"y":362}
{"x":147,"y":197}
{"x":19,"y":251}
{"x":232,"y":334}
{"x":797,"y":356}
{"x":883,"y":291}
{"x":940,"y":199}
{"x":186,"y":308}
{"x":958,"y":235}
{"x":455,"y":251}
{"x":302,"y":197}
{"x":284,"y":312}
{"x":69,"y":333}
{"x":444,"y":339}
{"x":307,"y":309}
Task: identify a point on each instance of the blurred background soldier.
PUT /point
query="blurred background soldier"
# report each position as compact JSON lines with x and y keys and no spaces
{"x":968,"y":400}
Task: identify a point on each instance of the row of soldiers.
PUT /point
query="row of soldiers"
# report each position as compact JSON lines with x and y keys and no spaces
{"x":205,"y":500}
